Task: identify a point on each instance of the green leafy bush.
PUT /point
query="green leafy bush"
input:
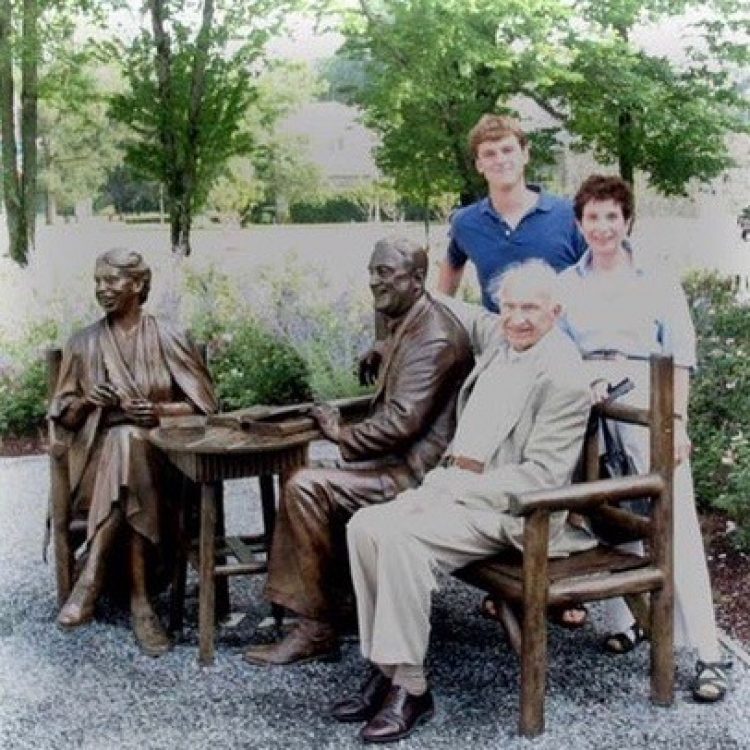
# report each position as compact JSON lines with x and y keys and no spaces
{"x":289,"y":302}
{"x":330,"y":210}
{"x":23,"y":399}
{"x":23,"y":380}
{"x":719,"y":403}
{"x":250,"y":366}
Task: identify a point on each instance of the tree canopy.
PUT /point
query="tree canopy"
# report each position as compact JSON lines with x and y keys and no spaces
{"x":186,"y":98}
{"x":432,"y":67}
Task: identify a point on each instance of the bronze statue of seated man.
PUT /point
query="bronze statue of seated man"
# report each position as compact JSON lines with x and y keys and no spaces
{"x":425,"y":358}
{"x":118,"y":377}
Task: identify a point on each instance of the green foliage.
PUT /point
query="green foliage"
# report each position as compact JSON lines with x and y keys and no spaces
{"x":278,"y":170}
{"x":23,"y":380}
{"x":290,"y":304}
{"x":337,"y":208}
{"x":719,"y":407}
{"x":427,"y":69}
{"x":219,"y":134}
{"x":251,"y":366}
{"x":328,"y":332}
{"x":23,"y":398}
{"x":187,"y":95}
{"x":644,"y":111}
{"x":78,"y":144}
{"x":432,"y":67}
{"x":126,"y":193}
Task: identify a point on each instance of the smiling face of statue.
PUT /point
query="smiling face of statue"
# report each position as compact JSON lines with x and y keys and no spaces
{"x":117,"y":291}
{"x":396,"y":282}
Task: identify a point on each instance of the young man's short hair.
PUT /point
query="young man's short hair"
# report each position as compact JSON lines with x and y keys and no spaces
{"x":495,"y":128}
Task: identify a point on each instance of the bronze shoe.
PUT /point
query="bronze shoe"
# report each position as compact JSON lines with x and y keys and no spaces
{"x":311,"y":640}
{"x":79,"y":606}
{"x":400,"y":714}
{"x":363,"y":705}
{"x":150,"y":634}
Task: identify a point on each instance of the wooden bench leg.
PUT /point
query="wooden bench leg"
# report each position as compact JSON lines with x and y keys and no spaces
{"x":662,"y":648}
{"x":534,"y":634}
{"x":60,"y":520}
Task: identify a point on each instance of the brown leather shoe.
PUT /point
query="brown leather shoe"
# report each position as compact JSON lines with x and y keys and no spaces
{"x":366,"y":703}
{"x":311,"y":640}
{"x":150,"y":634}
{"x":400,"y":714}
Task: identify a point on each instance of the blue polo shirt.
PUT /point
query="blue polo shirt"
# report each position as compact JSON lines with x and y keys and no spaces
{"x":480,"y":234}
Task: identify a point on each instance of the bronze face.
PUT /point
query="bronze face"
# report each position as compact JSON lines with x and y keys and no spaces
{"x":116,"y":291}
{"x":394,"y":283}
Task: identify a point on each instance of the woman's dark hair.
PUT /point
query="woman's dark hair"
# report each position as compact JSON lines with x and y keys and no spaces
{"x":600,"y":187}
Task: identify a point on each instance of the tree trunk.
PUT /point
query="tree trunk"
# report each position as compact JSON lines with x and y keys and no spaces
{"x":29,"y":114}
{"x":50,"y":213}
{"x":192,"y":144}
{"x":167,"y":138}
{"x":625,"y":147}
{"x":12,"y":196}
{"x":625,"y":140}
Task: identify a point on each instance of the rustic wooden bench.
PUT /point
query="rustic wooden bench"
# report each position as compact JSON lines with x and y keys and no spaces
{"x":531,"y":582}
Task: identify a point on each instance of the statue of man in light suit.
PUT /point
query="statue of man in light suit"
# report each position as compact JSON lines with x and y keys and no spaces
{"x":522,"y":414}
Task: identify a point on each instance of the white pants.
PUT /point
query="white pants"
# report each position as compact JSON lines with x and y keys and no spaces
{"x":394,"y":550}
{"x":694,"y":620}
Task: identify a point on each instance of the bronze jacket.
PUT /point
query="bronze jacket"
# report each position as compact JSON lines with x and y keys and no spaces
{"x":413,"y":412}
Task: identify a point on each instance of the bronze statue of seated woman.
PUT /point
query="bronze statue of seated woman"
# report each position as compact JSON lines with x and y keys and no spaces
{"x":118,"y":377}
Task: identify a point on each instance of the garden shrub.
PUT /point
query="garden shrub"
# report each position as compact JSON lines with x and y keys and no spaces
{"x":329,"y":332}
{"x":719,"y":403}
{"x":23,"y":380}
{"x":334,"y":209}
{"x":23,"y":399}
{"x":290,"y":303}
{"x":251,"y":366}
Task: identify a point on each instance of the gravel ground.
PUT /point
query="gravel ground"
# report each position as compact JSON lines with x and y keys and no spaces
{"x":91,"y":688}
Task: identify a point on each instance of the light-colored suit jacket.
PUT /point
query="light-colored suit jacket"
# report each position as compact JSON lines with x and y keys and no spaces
{"x":540,"y":427}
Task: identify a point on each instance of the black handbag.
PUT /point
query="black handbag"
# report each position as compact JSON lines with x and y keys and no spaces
{"x":613,"y":463}
{"x":617,"y":462}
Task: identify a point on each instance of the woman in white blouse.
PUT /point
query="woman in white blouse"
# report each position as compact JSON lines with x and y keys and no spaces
{"x":618,"y":314}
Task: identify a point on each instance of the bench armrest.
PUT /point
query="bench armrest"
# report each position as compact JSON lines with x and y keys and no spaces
{"x":587,"y":495}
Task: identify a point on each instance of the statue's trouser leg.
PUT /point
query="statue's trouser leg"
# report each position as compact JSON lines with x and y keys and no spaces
{"x":80,"y":604}
{"x":308,"y":550}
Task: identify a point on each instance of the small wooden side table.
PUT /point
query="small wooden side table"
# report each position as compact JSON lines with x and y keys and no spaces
{"x":208,"y":454}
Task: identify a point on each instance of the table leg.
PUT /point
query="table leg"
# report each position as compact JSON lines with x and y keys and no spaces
{"x":268,"y":505}
{"x":222,"y":582}
{"x":177,"y":594}
{"x":207,"y":592}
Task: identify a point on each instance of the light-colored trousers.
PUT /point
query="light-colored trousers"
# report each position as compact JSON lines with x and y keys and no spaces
{"x":694,"y":620}
{"x":395,"y":550}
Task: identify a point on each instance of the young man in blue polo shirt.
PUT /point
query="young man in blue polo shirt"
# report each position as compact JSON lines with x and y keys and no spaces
{"x":515,"y":222}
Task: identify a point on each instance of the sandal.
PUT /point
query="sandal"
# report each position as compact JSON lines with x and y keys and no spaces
{"x":711,"y":681}
{"x":489,"y":609}
{"x":573,"y":617}
{"x":625,"y":642}
{"x":558,"y":615}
